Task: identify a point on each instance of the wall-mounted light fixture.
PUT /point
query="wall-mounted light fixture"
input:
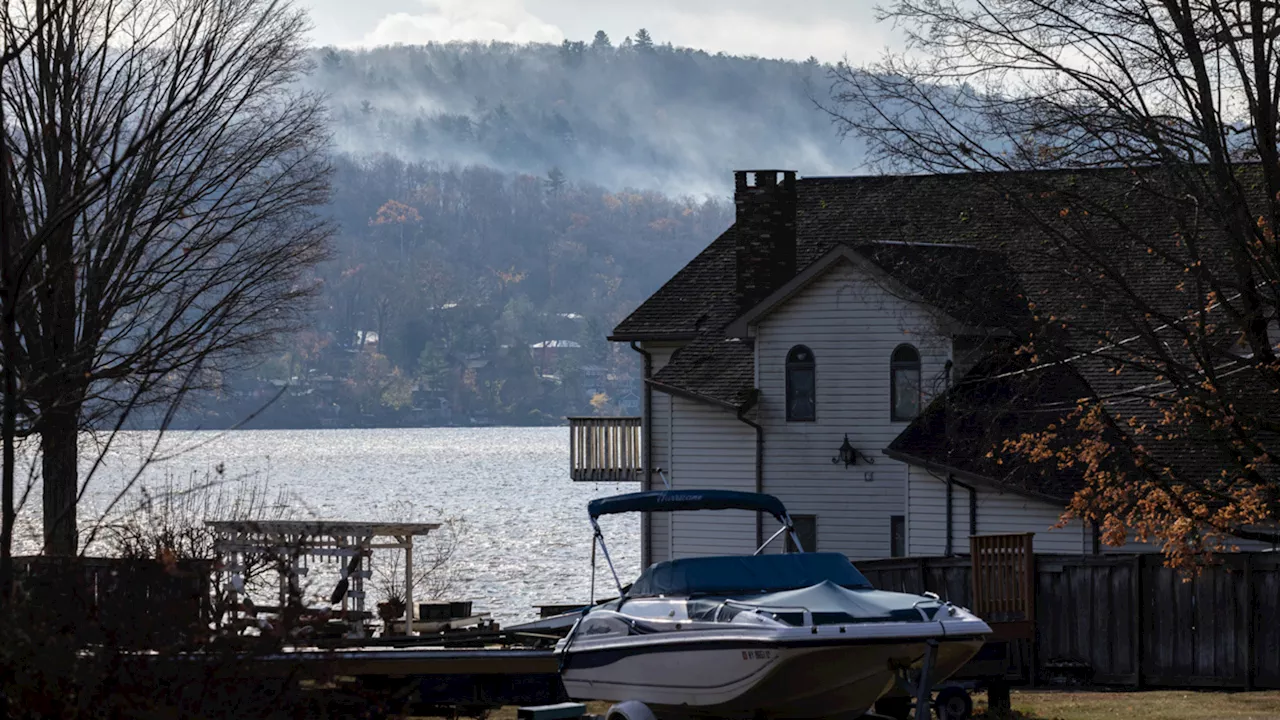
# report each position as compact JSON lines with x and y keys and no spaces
{"x":849,"y":455}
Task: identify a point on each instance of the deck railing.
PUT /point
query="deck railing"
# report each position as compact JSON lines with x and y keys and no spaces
{"x":605,"y":449}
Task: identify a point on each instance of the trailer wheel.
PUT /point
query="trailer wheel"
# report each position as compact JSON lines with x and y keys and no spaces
{"x":953,"y":703}
{"x":630,"y":710}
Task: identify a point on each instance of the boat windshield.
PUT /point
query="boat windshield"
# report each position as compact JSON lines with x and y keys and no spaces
{"x":742,"y":574}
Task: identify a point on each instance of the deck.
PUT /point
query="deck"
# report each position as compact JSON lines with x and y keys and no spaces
{"x":605,"y":449}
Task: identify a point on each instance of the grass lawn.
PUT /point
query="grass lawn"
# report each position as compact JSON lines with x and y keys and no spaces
{"x":1152,"y":705}
{"x":1082,"y":705}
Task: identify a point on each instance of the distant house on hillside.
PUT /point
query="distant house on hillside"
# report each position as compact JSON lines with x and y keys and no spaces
{"x":547,"y":353}
{"x":565,"y":324}
{"x":630,"y":402}
{"x":594,"y":380}
{"x":819,"y":349}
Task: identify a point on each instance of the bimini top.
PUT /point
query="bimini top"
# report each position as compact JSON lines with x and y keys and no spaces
{"x":672,"y":500}
{"x":746,"y":574}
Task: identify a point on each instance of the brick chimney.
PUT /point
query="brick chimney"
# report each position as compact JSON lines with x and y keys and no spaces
{"x":765,"y":253}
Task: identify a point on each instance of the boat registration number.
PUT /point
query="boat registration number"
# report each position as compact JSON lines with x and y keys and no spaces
{"x":757,"y":654}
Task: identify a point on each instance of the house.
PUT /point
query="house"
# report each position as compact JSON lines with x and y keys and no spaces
{"x":629,"y":402}
{"x":594,"y":380}
{"x":802,"y":352}
{"x":548,"y":353}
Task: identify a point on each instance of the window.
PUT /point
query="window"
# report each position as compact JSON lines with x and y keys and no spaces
{"x":897,"y":536}
{"x":802,"y":395}
{"x":904,"y":383}
{"x":807,"y":528}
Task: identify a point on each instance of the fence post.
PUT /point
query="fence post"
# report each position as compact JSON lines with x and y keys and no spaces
{"x":1249,"y":647}
{"x":1136,"y":632}
{"x":1033,"y":586}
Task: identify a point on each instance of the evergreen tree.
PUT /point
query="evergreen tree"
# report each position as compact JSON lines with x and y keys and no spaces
{"x":331,"y":59}
{"x":644,"y":41}
{"x":601,"y":41}
{"x":555,"y":181}
{"x":572,"y":52}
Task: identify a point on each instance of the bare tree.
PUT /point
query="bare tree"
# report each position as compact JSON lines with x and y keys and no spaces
{"x":164,"y":172}
{"x":1162,"y":247}
{"x":435,"y":573}
{"x":15,"y":38}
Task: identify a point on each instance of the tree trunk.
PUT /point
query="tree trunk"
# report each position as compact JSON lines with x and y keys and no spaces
{"x":8,"y":347}
{"x":59,"y":437}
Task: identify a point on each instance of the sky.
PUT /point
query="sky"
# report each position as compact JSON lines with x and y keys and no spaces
{"x":830,"y":30}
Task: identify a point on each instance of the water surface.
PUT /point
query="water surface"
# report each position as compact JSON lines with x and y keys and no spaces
{"x":525,"y":538}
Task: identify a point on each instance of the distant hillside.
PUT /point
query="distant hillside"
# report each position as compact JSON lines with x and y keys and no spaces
{"x":650,"y":117}
{"x":500,"y":207}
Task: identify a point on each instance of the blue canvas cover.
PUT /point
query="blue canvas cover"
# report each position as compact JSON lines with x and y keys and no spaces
{"x":672,"y":500}
{"x":746,"y":574}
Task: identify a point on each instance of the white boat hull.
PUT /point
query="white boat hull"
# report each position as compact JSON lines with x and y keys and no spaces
{"x":728,"y":677}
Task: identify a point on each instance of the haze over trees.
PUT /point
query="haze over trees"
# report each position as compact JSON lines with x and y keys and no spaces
{"x":1179,"y":309}
{"x":631,"y":114}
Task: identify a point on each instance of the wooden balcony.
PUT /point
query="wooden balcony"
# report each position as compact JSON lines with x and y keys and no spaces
{"x":605,"y":449}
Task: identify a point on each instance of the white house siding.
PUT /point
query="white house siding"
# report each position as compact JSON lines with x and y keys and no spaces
{"x":852,"y":324}
{"x":1152,"y":547}
{"x":998,"y":513}
{"x":927,"y":522}
{"x":660,"y":449}
{"x":712,"y":449}
{"x":698,"y":446}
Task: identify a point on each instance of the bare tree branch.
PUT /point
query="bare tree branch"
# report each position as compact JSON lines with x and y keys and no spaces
{"x":1168,"y":104}
{"x":165,"y":170}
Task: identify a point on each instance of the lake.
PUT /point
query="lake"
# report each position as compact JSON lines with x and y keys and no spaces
{"x":524,"y":537}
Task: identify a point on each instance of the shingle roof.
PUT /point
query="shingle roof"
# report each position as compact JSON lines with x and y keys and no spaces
{"x":693,"y":300}
{"x":712,"y":368}
{"x":974,"y":286}
{"x":965,"y":430}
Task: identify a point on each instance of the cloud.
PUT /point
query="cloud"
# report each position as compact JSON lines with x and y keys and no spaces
{"x":445,"y":20}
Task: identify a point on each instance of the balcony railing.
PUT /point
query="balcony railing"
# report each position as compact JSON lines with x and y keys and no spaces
{"x":605,"y":449}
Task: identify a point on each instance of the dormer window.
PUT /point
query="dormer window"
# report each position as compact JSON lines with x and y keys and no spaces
{"x":904,"y":383}
{"x":802,"y":386}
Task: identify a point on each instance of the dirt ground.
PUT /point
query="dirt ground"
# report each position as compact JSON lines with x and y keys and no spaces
{"x":1149,"y":705}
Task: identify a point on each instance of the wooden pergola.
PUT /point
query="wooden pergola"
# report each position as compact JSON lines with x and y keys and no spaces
{"x":290,"y":540}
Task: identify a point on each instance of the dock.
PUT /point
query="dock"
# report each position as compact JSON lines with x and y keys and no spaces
{"x":383,"y":679}
{"x":403,"y":662}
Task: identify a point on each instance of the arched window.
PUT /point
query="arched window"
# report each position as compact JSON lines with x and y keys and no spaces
{"x":904,"y":383}
{"x":802,"y":386}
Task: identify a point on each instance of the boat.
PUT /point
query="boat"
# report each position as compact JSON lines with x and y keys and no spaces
{"x":794,"y":635}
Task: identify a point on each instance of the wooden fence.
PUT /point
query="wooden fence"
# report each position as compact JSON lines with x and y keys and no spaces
{"x":1129,"y":619}
{"x":122,"y":603}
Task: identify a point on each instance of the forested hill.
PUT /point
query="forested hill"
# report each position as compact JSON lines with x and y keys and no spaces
{"x":631,"y":115}
{"x":500,"y":207}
